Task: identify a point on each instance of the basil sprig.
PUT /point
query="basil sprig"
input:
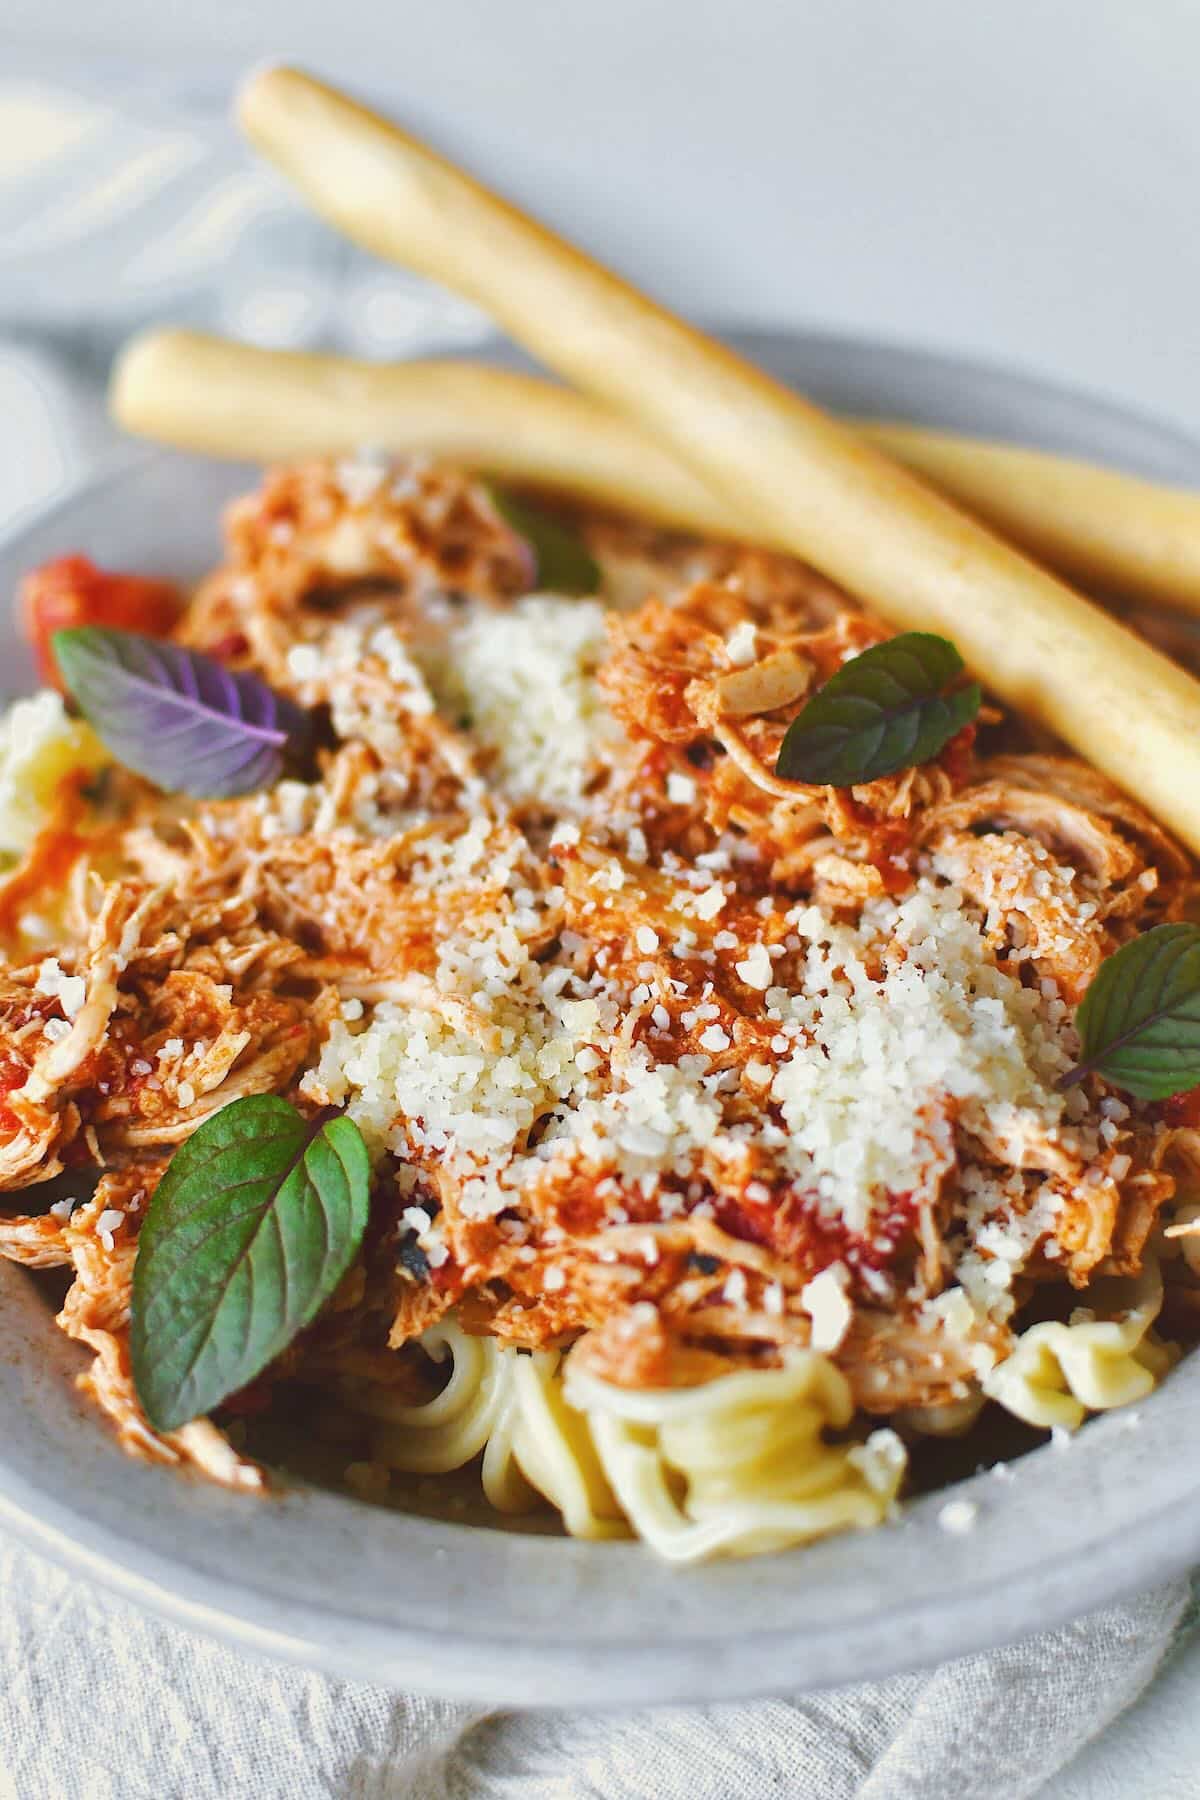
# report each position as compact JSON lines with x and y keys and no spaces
{"x":257,"y":1219}
{"x":176,"y":716}
{"x":561,"y":562}
{"x":1139,"y":1022}
{"x":892,"y":707}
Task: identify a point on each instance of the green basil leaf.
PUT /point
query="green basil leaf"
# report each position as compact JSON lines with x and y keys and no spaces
{"x":889,"y":709}
{"x":1139,"y":1022}
{"x":561,"y":563}
{"x":256,"y":1221}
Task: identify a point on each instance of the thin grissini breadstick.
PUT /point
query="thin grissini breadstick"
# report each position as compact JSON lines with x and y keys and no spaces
{"x":206,"y":393}
{"x":1111,"y":530}
{"x":800,"y":477}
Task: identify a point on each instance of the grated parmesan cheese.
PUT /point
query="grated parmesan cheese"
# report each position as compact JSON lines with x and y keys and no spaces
{"x":109,"y":1221}
{"x":525,"y":678}
{"x":458,"y":1082}
{"x":824,"y":1299}
{"x":710,"y":902}
{"x":882,"y":1460}
{"x":69,"y":990}
{"x":958,"y":1517}
{"x":361,"y":477}
{"x":880,"y":1060}
{"x":887,"y":1029}
{"x":755,"y":969}
{"x":741,"y":646}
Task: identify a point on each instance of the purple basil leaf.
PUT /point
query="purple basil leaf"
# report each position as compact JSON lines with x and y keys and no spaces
{"x":176,"y":716}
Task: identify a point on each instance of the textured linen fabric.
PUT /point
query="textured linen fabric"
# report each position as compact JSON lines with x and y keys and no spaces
{"x":118,"y":205}
{"x":101,"y":1702}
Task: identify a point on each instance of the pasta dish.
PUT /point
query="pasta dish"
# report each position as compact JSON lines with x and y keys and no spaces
{"x":708,"y":1112}
{"x":716,"y":1121}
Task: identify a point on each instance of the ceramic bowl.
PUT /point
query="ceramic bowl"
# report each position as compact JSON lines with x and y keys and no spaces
{"x":493,"y":1615}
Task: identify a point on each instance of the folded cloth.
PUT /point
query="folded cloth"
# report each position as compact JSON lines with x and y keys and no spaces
{"x":100,"y":1702}
{"x":118,"y":205}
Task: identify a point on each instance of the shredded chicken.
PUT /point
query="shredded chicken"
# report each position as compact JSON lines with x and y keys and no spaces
{"x":287,"y":942}
{"x":98,"y":1240}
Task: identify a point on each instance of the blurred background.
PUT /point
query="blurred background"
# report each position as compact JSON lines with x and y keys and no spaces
{"x":1013,"y":182}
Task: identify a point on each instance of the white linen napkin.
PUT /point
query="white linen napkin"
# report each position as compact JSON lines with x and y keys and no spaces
{"x":101,"y":1702}
{"x":118,"y":206}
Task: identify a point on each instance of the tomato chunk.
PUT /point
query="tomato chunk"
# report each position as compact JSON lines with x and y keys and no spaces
{"x":73,"y":591}
{"x":1183,"y":1109}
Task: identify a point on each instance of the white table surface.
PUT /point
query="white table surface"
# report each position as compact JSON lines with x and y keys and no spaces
{"x":1015,"y":181}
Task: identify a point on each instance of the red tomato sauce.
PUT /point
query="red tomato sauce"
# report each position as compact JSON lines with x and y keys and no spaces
{"x":1182,"y":1109}
{"x":13,"y":1075}
{"x":792,"y":1225}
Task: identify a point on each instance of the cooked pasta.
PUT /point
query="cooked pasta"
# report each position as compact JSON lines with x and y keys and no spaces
{"x":506,"y":1406}
{"x":748,"y":1451}
{"x":737,"y":1464}
{"x":1058,"y":1373}
{"x":719,"y":1135}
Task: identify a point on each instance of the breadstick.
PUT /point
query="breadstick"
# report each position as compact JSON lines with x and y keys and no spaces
{"x":206,"y":393}
{"x":800,"y":477}
{"x":1109,"y":530}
